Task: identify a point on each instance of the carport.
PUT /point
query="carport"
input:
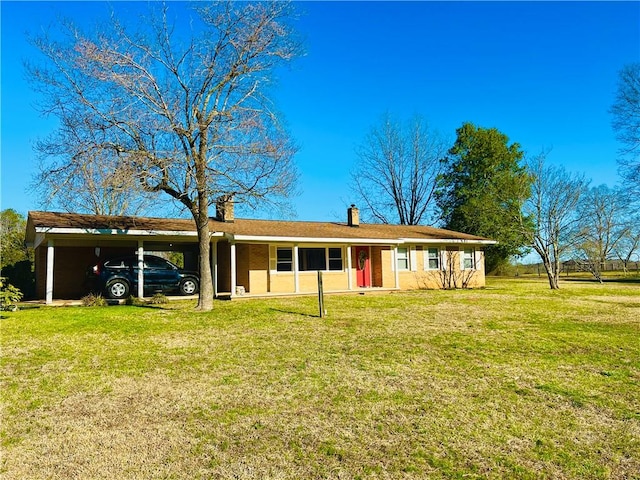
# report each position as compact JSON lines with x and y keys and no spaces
{"x":66,"y":245}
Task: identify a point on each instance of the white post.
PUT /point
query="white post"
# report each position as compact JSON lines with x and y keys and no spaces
{"x":296,"y":269}
{"x":233,"y":270}
{"x":140,"y":269}
{"x":49,"y":282}
{"x":395,"y":266}
{"x":349,"y":267}
{"x":214,"y":267}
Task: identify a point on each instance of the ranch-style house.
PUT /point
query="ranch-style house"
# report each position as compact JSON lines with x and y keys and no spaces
{"x":259,"y":257}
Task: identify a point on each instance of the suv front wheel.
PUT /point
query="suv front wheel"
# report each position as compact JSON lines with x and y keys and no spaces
{"x":117,"y":289}
{"x":189,"y":286}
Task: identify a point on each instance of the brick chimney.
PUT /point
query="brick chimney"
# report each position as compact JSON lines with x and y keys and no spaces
{"x":353,"y":216}
{"x":224,"y":209}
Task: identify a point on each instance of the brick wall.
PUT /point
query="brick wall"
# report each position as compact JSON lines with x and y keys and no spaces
{"x":258,"y":269}
{"x":70,"y":265}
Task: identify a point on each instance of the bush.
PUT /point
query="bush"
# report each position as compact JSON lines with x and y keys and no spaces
{"x":93,"y":300}
{"x":9,"y":296}
{"x":135,"y":301}
{"x":159,"y":299}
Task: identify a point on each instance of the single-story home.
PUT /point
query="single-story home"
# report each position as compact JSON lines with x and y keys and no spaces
{"x":260,"y":257}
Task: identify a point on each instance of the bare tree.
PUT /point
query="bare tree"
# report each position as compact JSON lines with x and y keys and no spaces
{"x":629,"y":243}
{"x":603,"y":225}
{"x":186,"y":110}
{"x":397,"y":169}
{"x":96,"y":182}
{"x":549,"y":216}
{"x":451,"y":275}
{"x":626,"y":124}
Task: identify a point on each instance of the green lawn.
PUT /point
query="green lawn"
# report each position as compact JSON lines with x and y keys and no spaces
{"x":512,"y":381}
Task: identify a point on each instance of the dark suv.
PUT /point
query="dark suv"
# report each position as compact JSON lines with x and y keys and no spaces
{"x":118,"y":277}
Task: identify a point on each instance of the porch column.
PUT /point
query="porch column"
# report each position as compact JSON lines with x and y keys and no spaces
{"x":395,"y":266}
{"x":49,"y":282}
{"x":296,"y":269}
{"x":349,"y":267}
{"x":214,"y":267}
{"x":233,"y":269}
{"x":140,"y":269}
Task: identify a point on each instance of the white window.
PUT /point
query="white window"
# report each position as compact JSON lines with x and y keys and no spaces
{"x":335,"y":258}
{"x":284,"y":259}
{"x":403,"y":258}
{"x":312,"y":259}
{"x":468,"y":259}
{"x":309,"y":259}
{"x":432,"y":261}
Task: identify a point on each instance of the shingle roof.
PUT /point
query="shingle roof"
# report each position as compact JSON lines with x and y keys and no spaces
{"x":245,"y":227}
{"x":103,"y":222}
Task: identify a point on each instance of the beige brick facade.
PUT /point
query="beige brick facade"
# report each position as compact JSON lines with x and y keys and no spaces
{"x":256,"y":272}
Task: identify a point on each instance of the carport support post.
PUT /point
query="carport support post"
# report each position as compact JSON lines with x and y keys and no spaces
{"x":232,"y":247}
{"x":140,"y":269}
{"x":49,"y":285}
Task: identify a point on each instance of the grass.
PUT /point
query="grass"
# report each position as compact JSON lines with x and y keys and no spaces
{"x":513,"y":381}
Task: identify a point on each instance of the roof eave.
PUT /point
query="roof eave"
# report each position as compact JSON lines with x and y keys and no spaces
{"x":289,"y":239}
{"x":112,"y":231}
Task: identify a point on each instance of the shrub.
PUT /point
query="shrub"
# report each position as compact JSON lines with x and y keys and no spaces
{"x":93,"y":300}
{"x":9,"y":296}
{"x":135,"y":301}
{"x":159,"y":299}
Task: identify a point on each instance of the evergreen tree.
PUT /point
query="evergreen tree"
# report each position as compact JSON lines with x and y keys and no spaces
{"x":482,"y":189}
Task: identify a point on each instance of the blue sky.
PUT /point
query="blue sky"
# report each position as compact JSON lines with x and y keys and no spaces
{"x":544,"y":73}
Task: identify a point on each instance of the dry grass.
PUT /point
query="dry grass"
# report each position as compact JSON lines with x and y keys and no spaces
{"x":513,"y":381}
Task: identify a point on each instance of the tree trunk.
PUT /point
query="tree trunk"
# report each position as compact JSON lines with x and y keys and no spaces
{"x":556,"y":270}
{"x":205,"y":299}
{"x":551,"y":267}
{"x":552,"y":274}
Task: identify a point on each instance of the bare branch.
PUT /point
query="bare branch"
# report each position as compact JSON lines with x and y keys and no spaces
{"x":397,"y":170}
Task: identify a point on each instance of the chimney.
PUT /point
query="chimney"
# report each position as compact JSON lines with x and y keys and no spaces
{"x":224,"y":209}
{"x":353,"y":216}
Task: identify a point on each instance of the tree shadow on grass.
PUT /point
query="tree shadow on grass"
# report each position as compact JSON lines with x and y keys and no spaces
{"x":294,"y":312}
{"x":633,"y":280}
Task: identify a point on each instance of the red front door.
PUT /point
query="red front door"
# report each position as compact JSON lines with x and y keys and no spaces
{"x":363,"y":267}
